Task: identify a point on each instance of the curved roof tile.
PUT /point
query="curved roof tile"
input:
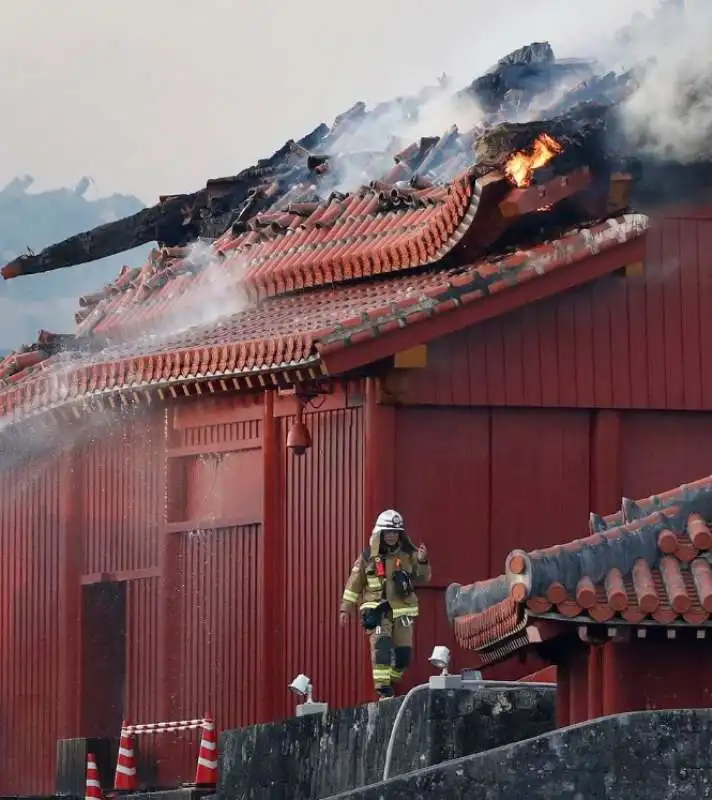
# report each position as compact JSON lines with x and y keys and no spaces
{"x":289,"y":330}
{"x":653,"y":566}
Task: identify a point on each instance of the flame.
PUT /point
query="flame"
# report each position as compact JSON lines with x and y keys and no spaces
{"x":520,"y":166}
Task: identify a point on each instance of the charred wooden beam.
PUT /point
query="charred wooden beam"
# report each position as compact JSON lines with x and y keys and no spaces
{"x":173,"y":221}
{"x":178,"y":219}
{"x":580,"y":132}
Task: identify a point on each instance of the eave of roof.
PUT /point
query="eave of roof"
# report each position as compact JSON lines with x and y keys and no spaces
{"x":364,"y":236}
{"x":330,"y":329}
{"x":512,"y":282}
{"x":650,"y":564}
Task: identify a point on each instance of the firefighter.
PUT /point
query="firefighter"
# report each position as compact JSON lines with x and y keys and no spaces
{"x":384,"y":578}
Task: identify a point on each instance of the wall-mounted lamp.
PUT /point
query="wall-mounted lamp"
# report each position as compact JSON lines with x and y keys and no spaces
{"x":299,"y":439}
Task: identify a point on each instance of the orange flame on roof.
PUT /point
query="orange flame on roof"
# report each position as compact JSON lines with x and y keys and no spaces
{"x":520,"y":166}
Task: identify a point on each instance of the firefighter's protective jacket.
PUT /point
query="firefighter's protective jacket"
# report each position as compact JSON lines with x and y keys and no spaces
{"x":371,"y":589}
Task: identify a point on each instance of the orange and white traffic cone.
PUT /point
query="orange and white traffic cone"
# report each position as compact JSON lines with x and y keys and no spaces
{"x":93,"y":786}
{"x":206,"y":773}
{"x":125,"y":777}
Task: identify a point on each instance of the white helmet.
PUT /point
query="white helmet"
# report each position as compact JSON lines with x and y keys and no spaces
{"x":389,"y":520}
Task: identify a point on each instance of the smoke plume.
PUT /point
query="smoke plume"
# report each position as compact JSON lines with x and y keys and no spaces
{"x":669,"y":115}
{"x":214,"y":293}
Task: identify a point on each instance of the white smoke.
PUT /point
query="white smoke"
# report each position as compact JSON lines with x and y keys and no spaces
{"x":670,"y":113}
{"x":430,"y":113}
{"x":204,"y":300}
{"x":207,"y":303}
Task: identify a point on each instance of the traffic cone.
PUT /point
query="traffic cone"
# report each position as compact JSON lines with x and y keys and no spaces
{"x":93,"y":787}
{"x":125,"y":777}
{"x":206,"y":773}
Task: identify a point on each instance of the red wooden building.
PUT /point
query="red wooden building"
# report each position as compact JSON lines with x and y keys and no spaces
{"x":623,"y":612}
{"x":163,"y":553}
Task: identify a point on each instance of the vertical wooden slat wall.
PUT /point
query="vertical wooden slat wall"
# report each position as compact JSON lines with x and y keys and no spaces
{"x":624,"y":341}
{"x":515,"y":430}
{"x":30,"y":649}
{"x":324,"y":533}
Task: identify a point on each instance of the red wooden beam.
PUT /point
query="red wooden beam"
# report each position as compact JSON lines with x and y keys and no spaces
{"x":170,"y":621}
{"x":595,"y":682}
{"x":533,"y":198}
{"x":378,"y":479}
{"x":121,"y":576}
{"x":273,"y":567}
{"x":606,"y":481}
{"x":214,"y":448}
{"x":70,"y":598}
{"x":455,"y":319}
{"x":380,"y":454}
{"x":183,"y":526}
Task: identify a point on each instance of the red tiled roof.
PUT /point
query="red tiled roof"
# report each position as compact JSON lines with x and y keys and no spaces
{"x":315,"y":270}
{"x":650,"y":563}
{"x":294,"y":330}
{"x":370,"y":233}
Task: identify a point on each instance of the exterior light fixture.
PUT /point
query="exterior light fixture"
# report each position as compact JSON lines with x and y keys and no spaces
{"x":299,"y":439}
{"x":440,"y":658}
{"x":302,"y":687}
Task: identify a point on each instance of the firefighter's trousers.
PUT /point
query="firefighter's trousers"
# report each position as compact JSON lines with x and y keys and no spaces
{"x":391,"y":651}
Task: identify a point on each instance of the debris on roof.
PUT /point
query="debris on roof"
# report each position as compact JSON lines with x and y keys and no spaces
{"x":293,"y":330}
{"x":648,"y":563}
{"x":360,"y":203}
{"x":309,"y":169}
{"x":31,"y":359}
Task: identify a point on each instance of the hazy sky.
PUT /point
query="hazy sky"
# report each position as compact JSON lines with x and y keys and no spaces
{"x":155,"y":96}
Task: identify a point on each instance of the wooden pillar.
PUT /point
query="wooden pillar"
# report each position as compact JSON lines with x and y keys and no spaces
{"x":606,"y":480}
{"x":379,"y":479}
{"x":578,"y":685}
{"x":563,"y":694}
{"x":611,"y":700}
{"x":170,"y":618}
{"x":595,"y":682}
{"x":70,"y":596}
{"x":272,"y":601}
{"x":379,"y":455}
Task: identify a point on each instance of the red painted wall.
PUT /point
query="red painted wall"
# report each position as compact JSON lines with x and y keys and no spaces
{"x":636,"y":675}
{"x":181,"y":503}
{"x":64,"y":520}
{"x":170,"y":504}
{"x":476,"y":483}
{"x":122,"y":488}
{"x":30,"y":634}
{"x":620,"y":342}
{"x":323,"y":534}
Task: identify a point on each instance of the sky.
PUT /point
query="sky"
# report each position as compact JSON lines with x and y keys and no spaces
{"x":153,"y":97}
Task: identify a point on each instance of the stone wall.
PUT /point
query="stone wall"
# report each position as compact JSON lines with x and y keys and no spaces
{"x":313,"y":757}
{"x":649,"y":755}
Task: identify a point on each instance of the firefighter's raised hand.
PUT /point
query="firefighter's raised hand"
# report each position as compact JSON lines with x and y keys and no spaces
{"x":422,"y":553}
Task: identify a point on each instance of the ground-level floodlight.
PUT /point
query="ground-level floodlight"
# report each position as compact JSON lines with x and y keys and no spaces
{"x":440,"y":658}
{"x":302,"y":687}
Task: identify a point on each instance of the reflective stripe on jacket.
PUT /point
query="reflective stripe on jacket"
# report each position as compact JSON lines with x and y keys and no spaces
{"x":364,"y":583}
